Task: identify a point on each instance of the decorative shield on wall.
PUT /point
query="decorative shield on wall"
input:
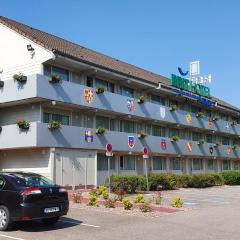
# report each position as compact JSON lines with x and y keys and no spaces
{"x":229,"y":151}
{"x":131,"y":141}
{"x":89,"y":136}
{"x":189,"y":146}
{"x":188,"y":118}
{"x":211,"y":150}
{"x":163,"y":144}
{"x":162,"y":112}
{"x":88,"y":95}
{"x":130,"y":105}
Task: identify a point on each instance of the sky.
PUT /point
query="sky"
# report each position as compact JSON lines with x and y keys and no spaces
{"x":157,"y":35}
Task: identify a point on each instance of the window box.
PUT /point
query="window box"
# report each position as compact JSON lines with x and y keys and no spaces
{"x":173,"y":107}
{"x":20,"y":78}
{"x":235,"y":147}
{"x":200,"y":114}
{"x":201,"y":142}
{"x":54,"y":125}
{"x":101,"y":131}
{"x":142,"y":99}
{"x":217,"y":144}
{"x":234,"y":123}
{"x":142,"y":134}
{"x":175,"y":138}
{"x":1,"y":84}
{"x":55,"y":79}
{"x":215,"y":118}
{"x":23,"y":124}
{"x":100,"y":90}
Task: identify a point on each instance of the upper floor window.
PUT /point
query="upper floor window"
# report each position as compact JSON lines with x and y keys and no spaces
{"x":158,"y":100}
{"x":101,"y":83}
{"x":196,"y":136}
{"x":63,"y":119}
{"x":89,"y":82}
{"x":158,"y":131}
{"x":225,"y":141}
{"x":126,"y":91}
{"x":224,"y":117}
{"x":51,"y":70}
{"x":208,"y":113}
{"x":105,"y":122}
{"x":209,"y":138}
{"x":127,"y":126}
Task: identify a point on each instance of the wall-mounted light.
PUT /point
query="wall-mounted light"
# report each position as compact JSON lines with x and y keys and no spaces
{"x":30,"y":48}
{"x":54,"y":103}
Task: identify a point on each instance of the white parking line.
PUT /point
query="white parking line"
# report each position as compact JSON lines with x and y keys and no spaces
{"x":82,"y":224}
{"x":9,"y":237}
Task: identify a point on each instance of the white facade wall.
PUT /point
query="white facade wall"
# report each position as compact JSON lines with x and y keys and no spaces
{"x":15,"y":57}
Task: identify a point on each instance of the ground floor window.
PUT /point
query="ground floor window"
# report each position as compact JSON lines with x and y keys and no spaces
{"x":226,"y":165}
{"x":210,"y":164}
{"x":102,"y":162}
{"x":176,"y":164}
{"x":159,"y":163}
{"x":236,"y":165}
{"x":127,"y":163}
{"x":197,"y":164}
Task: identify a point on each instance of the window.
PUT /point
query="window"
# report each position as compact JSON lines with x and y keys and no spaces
{"x":159,"y":163}
{"x":236,"y":165}
{"x":105,"y":84}
{"x":127,"y":126}
{"x":225,"y":141}
{"x":102,"y":162}
{"x":2,"y":183}
{"x":63,"y":119}
{"x":196,"y":136}
{"x":89,"y":82}
{"x":195,"y":109}
{"x":126,"y":91}
{"x":197,"y":164}
{"x":224,"y":117}
{"x":158,"y":100}
{"x":127,"y":163}
{"x":51,"y":70}
{"x":88,"y":121}
{"x":226,"y":165}
{"x":208,"y":113}
{"x":176,"y":164}
{"x":102,"y":122}
{"x":209,"y":138}
{"x":174,"y":132}
{"x":210,"y":164}
{"x":158,"y":131}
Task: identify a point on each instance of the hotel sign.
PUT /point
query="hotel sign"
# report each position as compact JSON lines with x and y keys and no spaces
{"x":189,"y":86}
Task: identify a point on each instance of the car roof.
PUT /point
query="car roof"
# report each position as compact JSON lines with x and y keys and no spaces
{"x":18,"y":173}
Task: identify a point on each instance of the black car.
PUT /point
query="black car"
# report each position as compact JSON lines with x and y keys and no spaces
{"x":30,"y":196}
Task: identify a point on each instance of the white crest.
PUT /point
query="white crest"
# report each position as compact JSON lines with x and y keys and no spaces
{"x":162,"y":112}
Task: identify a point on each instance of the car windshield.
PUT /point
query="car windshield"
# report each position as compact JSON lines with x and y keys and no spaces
{"x":31,"y":180}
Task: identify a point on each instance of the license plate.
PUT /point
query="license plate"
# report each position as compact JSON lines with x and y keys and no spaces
{"x":51,"y":210}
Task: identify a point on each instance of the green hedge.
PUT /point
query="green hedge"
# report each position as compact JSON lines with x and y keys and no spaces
{"x":132,"y":183}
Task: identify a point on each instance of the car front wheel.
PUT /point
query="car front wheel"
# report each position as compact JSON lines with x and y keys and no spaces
{"x":50,"y":221}
{"x":5,"y":222}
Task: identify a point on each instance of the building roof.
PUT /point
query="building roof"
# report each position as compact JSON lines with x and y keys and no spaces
{"x":85,"y":55}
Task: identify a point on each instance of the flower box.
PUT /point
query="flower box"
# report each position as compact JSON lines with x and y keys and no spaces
{"x":142,"y":135}
{"x":20,"y":78}
{"x":23,"y":124}
{"x":1,"y":84}
{"x":100,"y":90}
{"x":142,"y":99}
{"x":173,"y":108}
{"x":175,"y":138}
{"x":55,"y":79}
{"x":201,"y":142}
{"x":101,"y":131}
{"x":54,"y":125}
{"x":200,"y":115}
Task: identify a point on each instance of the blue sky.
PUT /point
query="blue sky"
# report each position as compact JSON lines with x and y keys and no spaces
{"x":158,"y":35}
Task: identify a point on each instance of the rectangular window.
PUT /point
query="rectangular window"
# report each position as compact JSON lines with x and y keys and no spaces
{"x":224,"y":117}
{"x":174,"y":132}
{"x":158,"y":100}
{"x":127,"y":126}
{"x":51,"y":70}
{"x":236,"y":165}
{"x":159,"y":163}
{"x":63,"y":119}
{"x":101,"y":83}
{"x":126,"y":91}
{"x":102,"y":122}
{"x":208,"y":113}
{"x":226,"y":165}
{"x":210,"y":165}
{"x":102,"y":162}
{"x":127,"y":163}
{"x":197,"y":164}
{"x":225,"y":141}
{"x":176,"y":164}
{"x":89,"y":82}
{"x":88,"y":121}
{"x":196,"y":136}
{"x":209,"y":138}
{"x":195,"y":109}
{"x":158,"y":131}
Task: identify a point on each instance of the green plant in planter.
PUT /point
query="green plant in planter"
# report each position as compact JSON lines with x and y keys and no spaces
{"x":101,"y":190}
{"x":217,"y":144}
{"x":20,"y":78}
{"x":177,"y":202}
{"x":215,"y":118}
{"x":139,"y":199}
{"x":55,"y":79}
{"x":145,"y":207}
{"x":201,"y":141}
{"x":200,"y":114}
{"x":142,"y":99}
{"x":110,"y":203}
{"x":127,"y":205}
{"x":101,"y":131}
{"x":54,"y":125}
{"x":235,"y":147}
{"x":23,"y":124}
{"x":105,"y":195}
{"x":77,"y":197}
{"x":173,"y":107}
{"x":100,"y":90}
{"x":234,"y":123}
{"x":175,"y":138}
{"x":92,"y":201}
{"x":142,"y":134}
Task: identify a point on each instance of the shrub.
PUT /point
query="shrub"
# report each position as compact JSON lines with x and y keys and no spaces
{"x":105,"y":194}
{"x":127,"y":205}
{"x":177,"y":202}
{"x":129,"y":183}
{"x":93,"y":192}
{"x":77,"y":197}
{"x":92,"y":201}
{"x":101,"y":190}
{"x":120,"y":194}
{"x":204,"y":180}
{"x":110,"y":203}
{"x":139,"y":199}
{"x":166,"y":180}
{"x":145,"y":207}
{"x":182,"y":181}
{"x":231,"y":177}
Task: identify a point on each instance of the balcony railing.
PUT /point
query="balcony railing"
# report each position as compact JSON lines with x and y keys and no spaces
{"x":37,"y":86}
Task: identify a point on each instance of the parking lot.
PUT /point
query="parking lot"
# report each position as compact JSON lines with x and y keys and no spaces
{"x":212,"y":214}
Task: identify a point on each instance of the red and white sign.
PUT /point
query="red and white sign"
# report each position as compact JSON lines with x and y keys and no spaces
{"x":109,"y":150}
{"x":189,"y":146}
{"x":145,"y":152}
